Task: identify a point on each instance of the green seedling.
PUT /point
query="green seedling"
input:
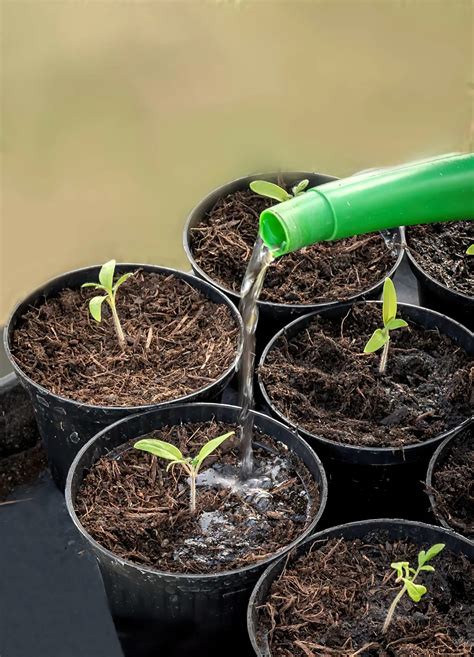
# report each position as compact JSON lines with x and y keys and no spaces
{"x":190,"y":465}
{"x":470,"y":250}
{"x":408,"y":575}
{"x":381,"y":337}
{"x":106,"y":283}
{"x":270,"y":190}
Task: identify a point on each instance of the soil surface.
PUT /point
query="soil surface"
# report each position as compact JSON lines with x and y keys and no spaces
{"x":329,"y":271}
{"x":133,"y":507}
{"x":323,"y":382}
{"x":453,"y":484}
{"x":21,"y":454}
{"x":333,"y":602}
{"x":440,"y":249}
{"x":178,"y":342}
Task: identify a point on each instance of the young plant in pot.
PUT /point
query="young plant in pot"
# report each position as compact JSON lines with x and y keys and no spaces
{"x":375,"y":388}
{"x":441,"y":257}
{"x":372,"y":588}
{"x":179,"y":536}
{"x":221,"y":232}
{"x":22,"y":457}
{"x":100,"y":343}
{"x":450,"y":481}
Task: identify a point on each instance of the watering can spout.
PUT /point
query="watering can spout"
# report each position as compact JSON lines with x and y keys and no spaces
{"x":427,"y":191}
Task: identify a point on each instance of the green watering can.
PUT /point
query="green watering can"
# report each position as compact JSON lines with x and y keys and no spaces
{"x":423,"y":192}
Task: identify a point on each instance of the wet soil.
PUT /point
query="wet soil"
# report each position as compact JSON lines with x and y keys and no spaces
{"x":22,"y":457}
{"x":453,"y":484}
{"x":222,"y":245}
{"x":323,"y":382}
{"x":334,"y":600}
{"x":440,"y":249}
{"x":178,"y":342}
{"x":137,"y":510}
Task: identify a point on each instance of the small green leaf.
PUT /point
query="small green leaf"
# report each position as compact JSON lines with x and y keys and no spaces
{"x":95,"y":307}
{"x":421,"y":558}
{"x":430,"y":569}
{"x":106,"y":275}
{"x":208,"y":448}
{"x":396,"y":323}
{"x":389,"y":307}
{"x":470,"y":250}
{"x":264,"y":188}
{"x":97,"y":285}
{"x":415,"y":591}
{"x":399,"y":566}
{"x":121,"y":280}
{"x":434,"y":551}
{"x":160,"y":448}
{"x":376,"y":342}
{"x":300,"y":187}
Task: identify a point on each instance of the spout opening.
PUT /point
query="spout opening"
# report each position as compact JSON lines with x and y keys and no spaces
{"x":273,"y":232}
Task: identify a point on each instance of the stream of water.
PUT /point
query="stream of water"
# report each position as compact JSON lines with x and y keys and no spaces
{"x":250,"y":291}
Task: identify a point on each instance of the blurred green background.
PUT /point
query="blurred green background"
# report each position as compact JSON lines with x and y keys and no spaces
{"x":117,"y":117}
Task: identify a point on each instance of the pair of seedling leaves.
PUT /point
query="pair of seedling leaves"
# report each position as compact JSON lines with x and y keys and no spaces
{"x":190,"y":465}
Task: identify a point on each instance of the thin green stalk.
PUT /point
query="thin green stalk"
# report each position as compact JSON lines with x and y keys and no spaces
{"x":395,"y":602}
{"x":117,"y":325}
{"x":392,"y":608}
{"x":384,"y":357}
{"x":192,"y":506}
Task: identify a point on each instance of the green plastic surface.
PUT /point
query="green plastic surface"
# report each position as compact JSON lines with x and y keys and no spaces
{"x":427,"y":191}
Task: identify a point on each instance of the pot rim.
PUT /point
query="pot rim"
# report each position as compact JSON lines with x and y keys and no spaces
{"x":218,"y":192}
{"x":189,"y":278}
{"x":429,"y":478}
{"x":323,"y":486}
{"x":356,"y":448}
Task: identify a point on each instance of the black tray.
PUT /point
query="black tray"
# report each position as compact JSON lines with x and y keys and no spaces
{"x":52,"y":603}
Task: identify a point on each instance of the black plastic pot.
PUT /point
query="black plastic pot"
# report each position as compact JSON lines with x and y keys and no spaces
{"x":437,"y":460}
{"x":18,"y":431}
{"x":275,"y":315}
{"x":370,"y":476}
{"x":190,"y":603}
{"x":421,"y":534}
{"x":8,"y":377}
{"x":435,"y":295}
{"x":65,"y":424}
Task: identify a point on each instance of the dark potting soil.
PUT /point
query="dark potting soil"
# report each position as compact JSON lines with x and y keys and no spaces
{"x":178,"y":342}
{"x":334,"y":600}
{"x":137,"y":510}
{"x":328,"y":271}
{"x":323,"y":382}
{"x":440,"y":249}
{"x":21,"y":454}
{"x":453,"y":484}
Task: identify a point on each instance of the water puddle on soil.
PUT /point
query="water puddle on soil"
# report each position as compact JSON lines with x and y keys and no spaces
{"x":246,"y":515}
